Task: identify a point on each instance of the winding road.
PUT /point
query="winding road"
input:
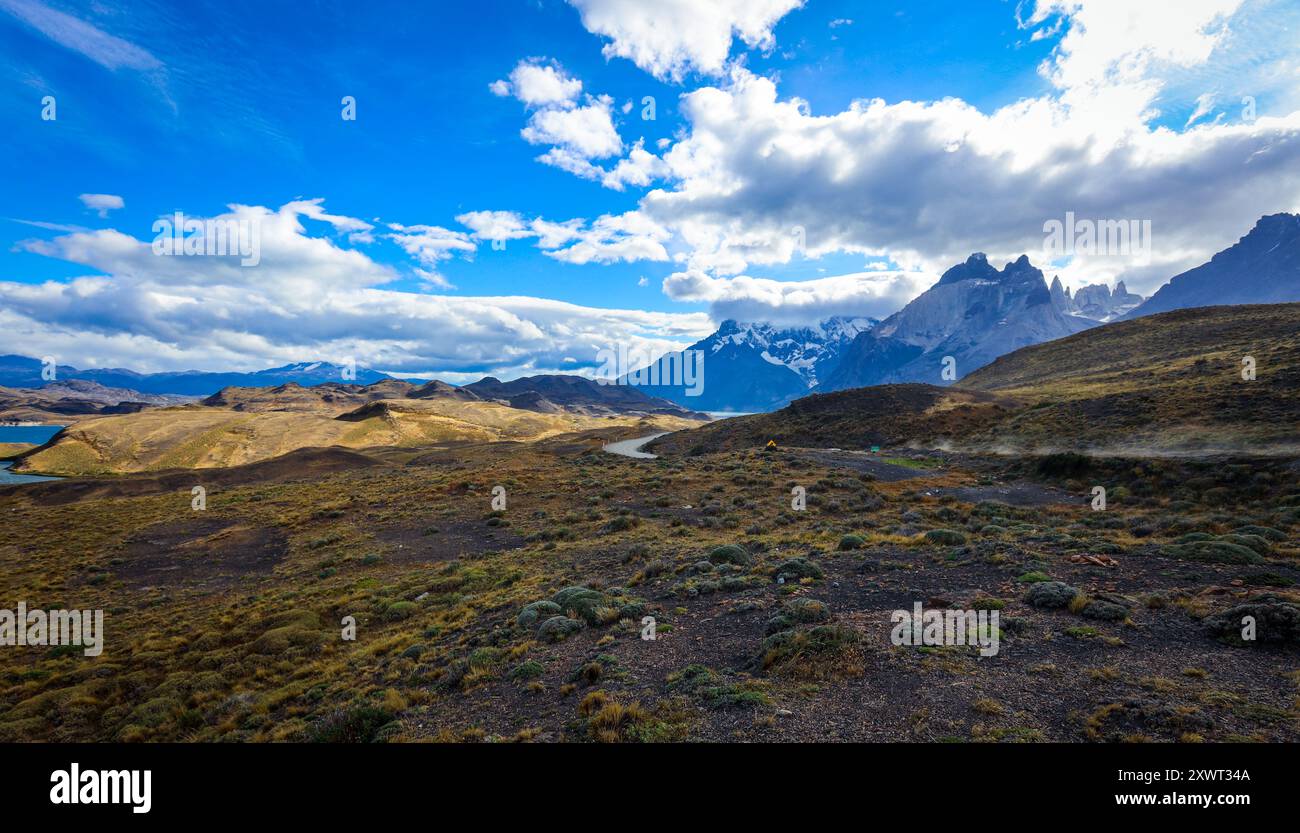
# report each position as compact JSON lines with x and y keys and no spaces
{"x":632,"y":447}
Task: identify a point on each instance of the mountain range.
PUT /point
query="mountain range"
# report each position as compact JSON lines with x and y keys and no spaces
{"x":972,"y":315}
{"x":758,"y":367}
{"x":1096,"y":301}
{"x":976,"y":313}
{"x":1169,"y":385}
{"x":27,"y":372}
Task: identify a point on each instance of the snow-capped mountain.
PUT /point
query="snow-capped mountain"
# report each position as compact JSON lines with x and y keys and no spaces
{"x":804,"y":350}
{"x":26,"y":372}
{"x":760,"y":366}
{"x":1095,"y":301}
{"x":974,"y":314}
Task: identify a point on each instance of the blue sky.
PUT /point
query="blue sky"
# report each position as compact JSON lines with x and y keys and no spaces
{"x":991,"y":117}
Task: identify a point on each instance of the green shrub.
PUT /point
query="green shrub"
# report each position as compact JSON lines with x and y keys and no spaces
{"x":558,"y":628}
{"x":797,"y":568}
{"x":583,"y":601}
{"x":731,"y":554}
{"x":398,"y":611}
{"x":527,"y":670}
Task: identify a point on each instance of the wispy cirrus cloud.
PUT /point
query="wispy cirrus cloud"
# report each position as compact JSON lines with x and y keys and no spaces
{"x":107,"y":50}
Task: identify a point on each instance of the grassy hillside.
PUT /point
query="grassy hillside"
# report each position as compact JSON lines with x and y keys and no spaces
{"x":207,"y":437}
{"x":8,"y":450}
{"x":886,"y":415}
{"x":1170,"y":382}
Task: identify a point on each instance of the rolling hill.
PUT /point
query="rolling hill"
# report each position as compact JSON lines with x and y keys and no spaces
{"x":240,"y":425}
{"x":197,"y":436}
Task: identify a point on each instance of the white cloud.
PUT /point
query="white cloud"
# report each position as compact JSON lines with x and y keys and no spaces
{"x":577,"y":133}
{"x":537,"y":84}
{"x":639,"y":168}
{"x":430,"y":245}
{"x":315,"y":209}
{"x":586,"y":130}
{"x":1204,"y":104}
{"x":495,"y":225}
{"x":102,"y":203}
{"x":75,"y":34}
{"x":1117,"y":41}
{"x":610,"y":238}
{"x":744,"y":298}
{"x":309,"y":298}
{"x":756,"y":179}
{"x":669,"y":38}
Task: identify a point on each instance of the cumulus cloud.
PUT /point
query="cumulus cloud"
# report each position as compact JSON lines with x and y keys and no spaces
{"x":577,"y":133}
{"x":537,"y":83}
{"x":670,"y":38}
{"x":586,"y":131}
{"x":102,"y":203}
{"x":757,"y":179}
{"x":1111,"y":42}
{"x":639,"y":168}
{"x":874,"y":294}
{"x":309,"y":297}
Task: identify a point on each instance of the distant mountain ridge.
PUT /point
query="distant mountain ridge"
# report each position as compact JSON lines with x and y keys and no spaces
{"x":974,"y":314}
{"x":238,"y":425}
{"x":1261,"y":268}
{"x":26,"y":372}
{"x":555,"y":393}
{"x":757,"y":366}
{"x":1095,"y":301}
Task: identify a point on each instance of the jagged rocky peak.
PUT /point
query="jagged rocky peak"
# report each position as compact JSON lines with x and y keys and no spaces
{"x":1061,"y":295}
{"x":976,"y":267}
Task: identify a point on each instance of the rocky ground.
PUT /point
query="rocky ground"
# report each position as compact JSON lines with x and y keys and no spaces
{"x":770,"y":623}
